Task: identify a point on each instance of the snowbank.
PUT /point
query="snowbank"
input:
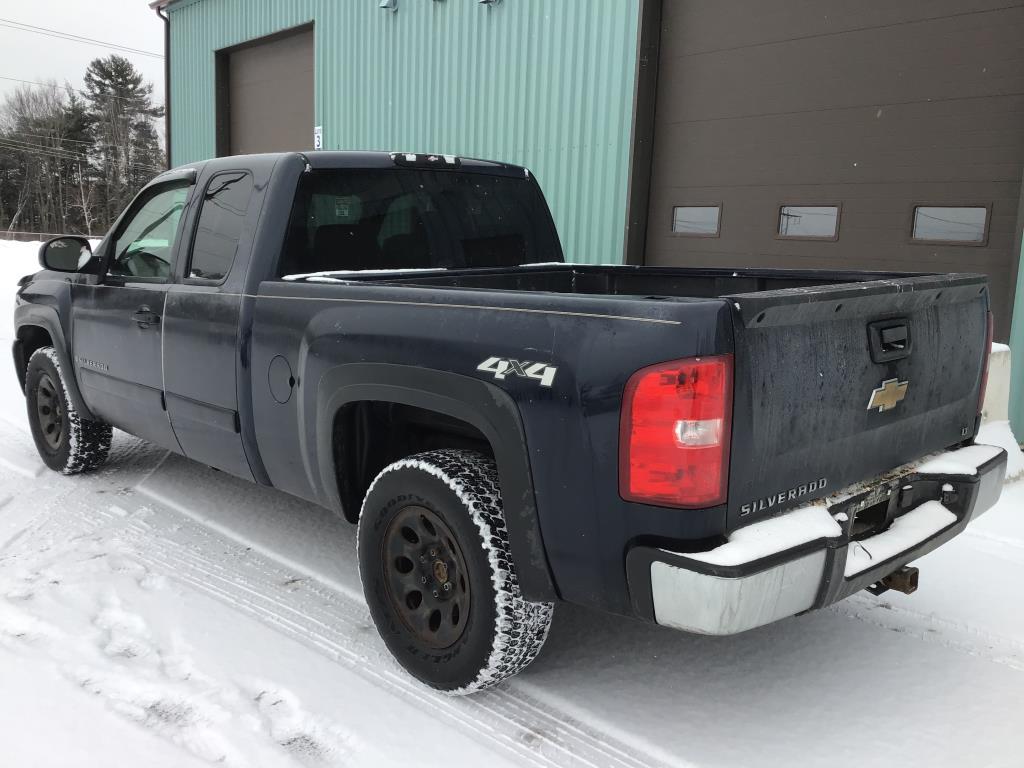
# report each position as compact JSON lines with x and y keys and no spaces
{"x":17,"y":259}
{"x":995,"y":428}
{"x":996,"y":406}
{"x":1000,"y":434}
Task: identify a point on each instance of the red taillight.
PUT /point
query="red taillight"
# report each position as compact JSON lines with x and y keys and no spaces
{"x":985,"y":360}
{"x":675,"y":433}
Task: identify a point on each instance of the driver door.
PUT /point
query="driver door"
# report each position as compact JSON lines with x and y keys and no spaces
{"x":117,"y":326}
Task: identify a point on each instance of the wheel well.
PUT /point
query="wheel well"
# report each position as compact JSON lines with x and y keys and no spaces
{"x":368,"y":435}
{"x":30,"y":338}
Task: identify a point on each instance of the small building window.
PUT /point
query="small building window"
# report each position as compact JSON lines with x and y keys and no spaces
{"x":809,"y":222}
{"x":966,"y":224}
{"x":697,"y":220}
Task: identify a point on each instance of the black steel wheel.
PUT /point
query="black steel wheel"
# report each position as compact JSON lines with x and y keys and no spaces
{"x":426,"y":582}
{"x":49,"y":412}
{"x":66,"y":442}
{"x":438,"y":575}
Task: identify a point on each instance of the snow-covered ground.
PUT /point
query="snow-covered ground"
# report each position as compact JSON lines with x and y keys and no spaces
{"x":157,"y":613}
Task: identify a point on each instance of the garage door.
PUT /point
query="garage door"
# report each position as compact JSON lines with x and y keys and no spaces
{"x":840,"y":135}
{"x":268,"y":95}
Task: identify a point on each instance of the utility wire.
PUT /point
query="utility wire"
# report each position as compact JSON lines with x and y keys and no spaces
{"x":79,"y":91}
{"x":57,"y":155}
{"x":22,"y":27}
{"x":54,"y":141}
{"x":66,"y":154}
{"x":143,"y":166}
{"x":57,"y":139}
{"x":60,"y":153}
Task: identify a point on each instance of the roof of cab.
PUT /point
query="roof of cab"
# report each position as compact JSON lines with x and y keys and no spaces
{"x":323,"y":160}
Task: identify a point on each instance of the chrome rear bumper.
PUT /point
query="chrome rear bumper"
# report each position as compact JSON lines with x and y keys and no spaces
{"x":808,"y":558}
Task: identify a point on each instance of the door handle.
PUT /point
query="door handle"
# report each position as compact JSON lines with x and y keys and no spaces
{"x":145,"y":317}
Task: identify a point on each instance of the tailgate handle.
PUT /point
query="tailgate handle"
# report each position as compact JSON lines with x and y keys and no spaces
{"x":894,"y":339}
{"x":890,"y":340}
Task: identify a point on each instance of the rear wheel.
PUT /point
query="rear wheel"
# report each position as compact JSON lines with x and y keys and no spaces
{"x":66,"y":442}
{"x":438,"y":576}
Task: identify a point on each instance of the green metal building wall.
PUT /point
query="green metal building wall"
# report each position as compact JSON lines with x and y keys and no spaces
{"x":1017,"y":355}
{"x":547,"y":84}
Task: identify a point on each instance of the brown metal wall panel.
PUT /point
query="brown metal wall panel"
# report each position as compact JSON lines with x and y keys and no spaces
{"x":720,"y":26}
{"x":270,"y":95}
{"x":876,"y":108}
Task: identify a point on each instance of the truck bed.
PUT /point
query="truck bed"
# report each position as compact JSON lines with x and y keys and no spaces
{"x":809,"y":358}
{"x":627,"y":281}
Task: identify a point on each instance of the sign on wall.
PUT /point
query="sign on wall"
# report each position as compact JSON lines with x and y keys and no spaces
{"x":318,"y":137}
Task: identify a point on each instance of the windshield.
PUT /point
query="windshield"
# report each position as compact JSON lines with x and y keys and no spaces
{"x":348,"y":220}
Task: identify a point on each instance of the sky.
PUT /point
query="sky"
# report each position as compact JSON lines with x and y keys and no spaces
{"x":31,"y":56}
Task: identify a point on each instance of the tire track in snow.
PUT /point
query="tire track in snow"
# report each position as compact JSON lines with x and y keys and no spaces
{"x":21,"y":465}
{"x":928,"y":628}
{"x":1016,"y":546}
{"x":334,"y":622}
{"x":339,"y":628}
{"x":38,"y":502}
{"x":151,"y":679}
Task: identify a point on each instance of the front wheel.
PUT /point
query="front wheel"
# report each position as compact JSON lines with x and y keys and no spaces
{"x":66,"y":442}
{"x":438,"y":575}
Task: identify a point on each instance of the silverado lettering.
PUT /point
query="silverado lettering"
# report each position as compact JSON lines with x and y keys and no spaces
{"x":792,"y":494}
{"x":92,"y":364}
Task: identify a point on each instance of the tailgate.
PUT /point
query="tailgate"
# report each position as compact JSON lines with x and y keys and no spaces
{"x":810,"y":362}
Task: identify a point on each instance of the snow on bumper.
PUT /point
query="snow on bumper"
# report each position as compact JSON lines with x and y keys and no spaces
{"x":811,"y":557}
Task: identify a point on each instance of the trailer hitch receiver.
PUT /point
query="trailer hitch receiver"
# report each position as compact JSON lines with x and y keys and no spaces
{"x":904,"y":580}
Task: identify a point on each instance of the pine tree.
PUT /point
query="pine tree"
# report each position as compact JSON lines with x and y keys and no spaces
{"x":126,"y":149}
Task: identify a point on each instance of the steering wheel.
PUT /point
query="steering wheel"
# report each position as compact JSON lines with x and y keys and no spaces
{"x":129,"y":261}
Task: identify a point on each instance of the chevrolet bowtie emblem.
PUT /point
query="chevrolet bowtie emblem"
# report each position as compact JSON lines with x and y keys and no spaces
{"x":888,"y":396}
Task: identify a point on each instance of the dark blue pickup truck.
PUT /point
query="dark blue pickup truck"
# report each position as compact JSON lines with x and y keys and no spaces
{"x":397,"y":338}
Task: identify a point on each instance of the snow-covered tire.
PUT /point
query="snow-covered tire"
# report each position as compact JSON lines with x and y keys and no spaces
{"x":500,"y":633}
{"x":66,"y":442}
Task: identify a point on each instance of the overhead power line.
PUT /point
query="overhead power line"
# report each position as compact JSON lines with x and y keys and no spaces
{"x":61,"y":153}
{"x":56,"y":151}
{"x":57,"y":139}
{"x":22,"y":27}
{"x":43,"y":153}
{"x":58,"y":155}
{"x":79,"y":91}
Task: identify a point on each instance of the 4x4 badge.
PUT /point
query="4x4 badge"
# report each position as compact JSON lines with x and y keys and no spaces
{"x":888,"y":396}
{"x":501,"y":368}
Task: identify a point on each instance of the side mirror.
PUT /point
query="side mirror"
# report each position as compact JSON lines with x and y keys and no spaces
{"x":65,"y":254}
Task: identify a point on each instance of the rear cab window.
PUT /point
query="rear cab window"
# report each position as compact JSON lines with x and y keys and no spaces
{"x":221,"y":220}
{"x":354,"y":220}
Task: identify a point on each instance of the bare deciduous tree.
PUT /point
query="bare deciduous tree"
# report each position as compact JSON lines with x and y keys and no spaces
{"x":70,"y":161}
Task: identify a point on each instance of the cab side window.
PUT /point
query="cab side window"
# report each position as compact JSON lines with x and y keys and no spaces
{"x":144,"y":247}
{"x":221,"y":221}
